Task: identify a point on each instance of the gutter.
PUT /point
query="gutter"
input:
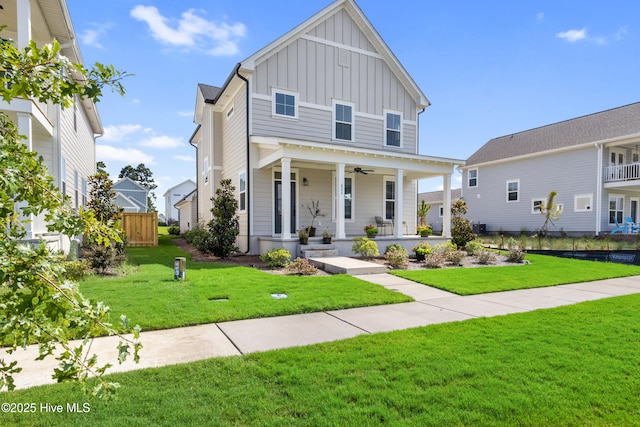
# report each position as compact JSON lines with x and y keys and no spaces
{"x":248,"y":160}
{"x":197,"y":175}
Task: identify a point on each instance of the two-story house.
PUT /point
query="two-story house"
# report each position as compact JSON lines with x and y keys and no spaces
{"x":131,"y":196}
{"x":174,"y":195}
{"x":592,"y":162}
{"x":64,"y":137}
{"x":324,"y":114}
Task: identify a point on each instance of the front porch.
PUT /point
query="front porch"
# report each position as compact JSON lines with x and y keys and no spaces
{"x":343,"y":245}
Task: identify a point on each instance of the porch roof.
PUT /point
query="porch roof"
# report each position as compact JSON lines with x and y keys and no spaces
{"x":325,"y":156}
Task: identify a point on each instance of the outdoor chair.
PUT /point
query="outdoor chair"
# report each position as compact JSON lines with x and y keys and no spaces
{"x":621,"y":228}
{"x":383,"y":223}
{"x":633,"y":227}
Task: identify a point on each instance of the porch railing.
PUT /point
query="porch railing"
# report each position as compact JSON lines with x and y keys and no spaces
{"x":622,"y":172}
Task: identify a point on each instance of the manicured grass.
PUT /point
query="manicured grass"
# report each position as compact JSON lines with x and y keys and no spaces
{"x":543,"y":271}
{"x":573,"y":365}
{"x":151,"y":297}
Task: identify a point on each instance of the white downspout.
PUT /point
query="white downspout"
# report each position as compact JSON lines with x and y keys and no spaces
{"x":599,"y":185}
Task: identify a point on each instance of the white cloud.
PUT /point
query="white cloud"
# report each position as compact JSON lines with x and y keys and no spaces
{"x":119,"y":132}
{"x":191,"y":31}
{"x":185,"y":158}
{"x":573,"y":36}
{"x":130,"y":156}
{"x":185,"y":113}
{"x":162,"y":141}
{"x":91,"y":36}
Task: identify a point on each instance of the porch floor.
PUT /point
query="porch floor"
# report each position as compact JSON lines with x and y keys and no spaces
{"x":345,"y":265}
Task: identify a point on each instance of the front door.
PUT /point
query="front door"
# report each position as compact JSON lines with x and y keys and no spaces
{"x":277,"y":203}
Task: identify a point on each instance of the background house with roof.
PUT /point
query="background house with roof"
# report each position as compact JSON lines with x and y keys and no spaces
{"x":175,"y":194}
{"x":64,"y":137}
{"x":436,"y":200}
{"x":592,"y":162}
{"x":327,"y":114}
{"x":131,"y":196}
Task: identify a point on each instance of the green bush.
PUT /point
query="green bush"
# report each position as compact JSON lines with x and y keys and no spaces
{"x":199,"y":237}
{"x":393,"y":247}
{"x":435,"y":260}
{"x":486,"y":257}
{"x":276,"y":258}
{"x":461,"y":230}
{"x":397,"y":257}
{"x":174,"y":230}
{"x":302,"y":267}
{"x":444,"y":248}
{"x":76,"y":270}
{"x":456,"y":257}
{"x":365,"y":247}
{"x":421,"y":249}
{"x":474,"y":247}
{"x":516,"y":255}
{"x":104,"y":259}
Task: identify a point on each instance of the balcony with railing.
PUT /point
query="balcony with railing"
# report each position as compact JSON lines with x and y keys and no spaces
{"x":621,"y":173}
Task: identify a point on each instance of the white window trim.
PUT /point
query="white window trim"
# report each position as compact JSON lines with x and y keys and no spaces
{"x":469,"y":178}
{"x":589,"y":207}
{"x":296,"y":101}
{"x":507,"y":191}
{"x":334,"y":120}
{"x":385,"y":179}
{"x":242,"y":192}
{"x":334,"y":208}
{"x":384,"y":137}
{"x":542,"y":201}
{"x":615,"y":196}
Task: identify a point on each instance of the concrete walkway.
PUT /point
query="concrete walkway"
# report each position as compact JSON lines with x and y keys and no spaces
{"x":431,"y":306}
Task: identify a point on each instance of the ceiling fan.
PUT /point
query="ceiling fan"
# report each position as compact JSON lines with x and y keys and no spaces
{"x":358,"y":169}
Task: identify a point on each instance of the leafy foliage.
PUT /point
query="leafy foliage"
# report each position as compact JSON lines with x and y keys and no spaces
{"x":224,"y":227}
{"x":302,"y":267}
{"x":397,"y":256}
{"x":199,"y":237}
{"x":473,"y":247}
{"x":174,"y":230}
{"x":276,"y":258}
{"x":550,"y":211}
{"x":486,"y":257}
{"x":435,"y":260}
{"x":461,"y":231}
{"x":38,"y":304}
{"x":365,"y":247}
{"x":516,"y":255}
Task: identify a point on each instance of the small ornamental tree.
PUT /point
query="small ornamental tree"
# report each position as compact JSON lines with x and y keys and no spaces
{"x":461,"y":231}
{"x":37,"y":303}
{"x":225,"y":223}
{"x":550,"y":211}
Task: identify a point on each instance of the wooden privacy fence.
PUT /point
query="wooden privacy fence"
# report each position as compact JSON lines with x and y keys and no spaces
{"x":141,"y":229}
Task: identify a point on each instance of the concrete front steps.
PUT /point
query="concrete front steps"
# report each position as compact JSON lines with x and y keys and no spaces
{"x":344,"y":265}
{"x":318,"y":250}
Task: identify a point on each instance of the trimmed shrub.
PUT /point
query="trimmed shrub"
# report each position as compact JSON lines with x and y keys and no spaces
{"x":444,"y":248}
{"x":104,"y":259}
{"x":174,"y":230}
{"x":435,"y":260}
{"x":393,"y":247}
{"x":199,"y":237}
{"x":397,"y":257}
{"x":276,"y":258}
{"x":474,"y":247}
{"x":365,"y":247}
{"x":516,"y":255}
{"x":486,"y":257}
{"x":302,"y":267}
{"x":456,"y":257}
{"x":76,"y":270}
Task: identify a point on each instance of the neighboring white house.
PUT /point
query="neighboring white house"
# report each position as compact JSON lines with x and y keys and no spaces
{"x":130,"y":196}
{"x":324,"y":113}
{"x":435,"y":200}
{"x":65,"y":138}
{"x":187,"y":211}
{"x":592,"y":162}
{"x":173,"y":196}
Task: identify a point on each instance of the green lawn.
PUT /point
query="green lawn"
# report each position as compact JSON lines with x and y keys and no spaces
{"x":573,"y":365}
{"x":154,"y":300}
{"x":543,"y":271}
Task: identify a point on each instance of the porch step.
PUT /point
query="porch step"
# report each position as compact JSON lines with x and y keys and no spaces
{"x":344,"y":265}
{"x":318,"y":250}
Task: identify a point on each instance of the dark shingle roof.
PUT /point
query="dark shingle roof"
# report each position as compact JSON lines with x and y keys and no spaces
{"x":209,"y":92}
{"x":604,"y":125}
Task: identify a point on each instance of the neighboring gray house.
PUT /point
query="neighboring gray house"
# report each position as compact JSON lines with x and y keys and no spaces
{"x":324,"y":113}
{"x":130,"y":196}
{"x":592,"y":162}
{"x":436,"y":213}
{"x":173,"y":196}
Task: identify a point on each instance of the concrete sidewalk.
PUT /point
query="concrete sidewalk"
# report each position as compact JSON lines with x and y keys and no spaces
{"x":431,"y":306}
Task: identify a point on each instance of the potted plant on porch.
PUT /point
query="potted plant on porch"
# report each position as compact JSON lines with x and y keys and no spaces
{"x":371,"y":231}
{"x":303,"y":235}
{"x":314,"y":210}
{"x":421,"y":250}
{"x":326,"y":237}
{"x":424,"y":230}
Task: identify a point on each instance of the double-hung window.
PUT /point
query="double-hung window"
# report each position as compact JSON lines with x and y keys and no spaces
{"x":243,"y":192}
{"x":343,"y":121}
{"x":393,"y":126}
{"x":349,"y":184}
{"x":285,"y":104}
{"x":513,"y":190}
{"x":473,"y":178}
{"x":389,"y":198}
{"x":616,"y":208}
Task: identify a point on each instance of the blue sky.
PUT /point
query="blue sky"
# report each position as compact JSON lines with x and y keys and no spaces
{"x":489,"y":68}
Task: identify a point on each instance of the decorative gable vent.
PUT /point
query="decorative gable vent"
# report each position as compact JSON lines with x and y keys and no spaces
{"x":344,"y":57}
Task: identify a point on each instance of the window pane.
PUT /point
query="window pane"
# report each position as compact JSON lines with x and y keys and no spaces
{"x":285,"y":105}
{"x":393,"y":121}
{"x":343,"y":131}
{"x":389,"y":209}
{"x":348,"y":197}
{"x":390,"y":191}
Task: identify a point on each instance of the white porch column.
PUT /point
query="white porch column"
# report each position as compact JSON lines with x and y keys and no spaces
{"x":24,"y":23}
{"x":398,"y":214}
{"x":286,"y":198}
{"x":446,"y":205}
{"x":340,"y":232}
{"x":25,"y":127}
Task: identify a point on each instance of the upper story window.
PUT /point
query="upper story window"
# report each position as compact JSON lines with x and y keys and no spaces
{"x":393,"y":126}
{"x":343,"y":121}
{"x":473,"y":178}
{"x":513,"y":190}
{"x":242,"y":200}
{"x":285,"y":104}
{"x":205,"y":170}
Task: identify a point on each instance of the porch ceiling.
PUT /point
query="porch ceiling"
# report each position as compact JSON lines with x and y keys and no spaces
{"x":312,"y":155}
